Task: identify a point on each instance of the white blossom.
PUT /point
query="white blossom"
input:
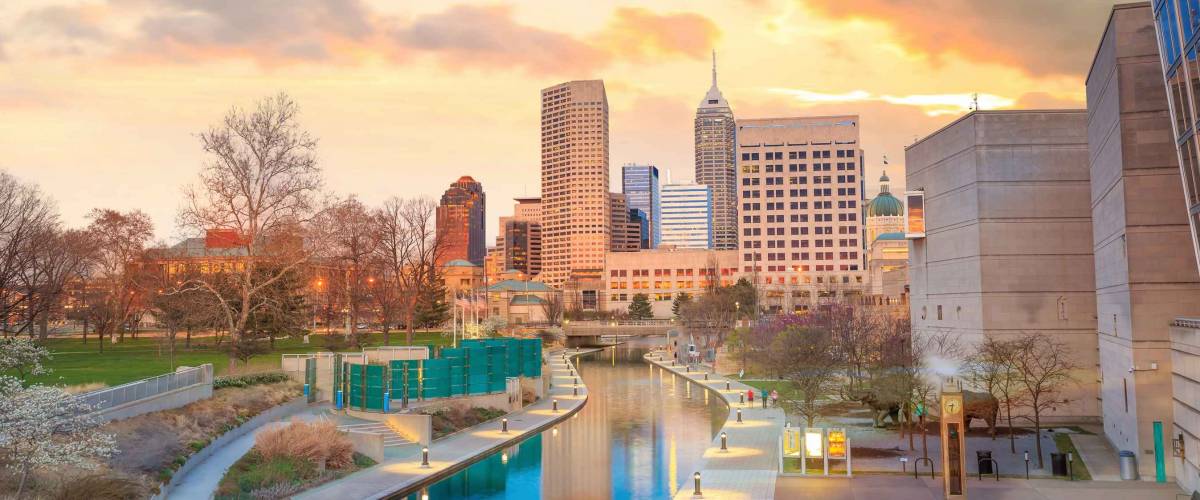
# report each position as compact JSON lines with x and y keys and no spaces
{"x":23,"y":357}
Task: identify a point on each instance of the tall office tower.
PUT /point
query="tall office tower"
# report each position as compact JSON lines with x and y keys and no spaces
{"x":801,"y":197}
{"x":576,"y":215}
{"x":642,"y":221}
{"x":460,"y":217}
{"x":641,"y":188}
{"x":626,"y":232}
{"x":687,"y":216}
{"x":523,"y":250}
{"x":716,"y":154}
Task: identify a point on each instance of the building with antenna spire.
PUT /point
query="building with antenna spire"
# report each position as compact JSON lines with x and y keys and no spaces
{"x":715,"y":162}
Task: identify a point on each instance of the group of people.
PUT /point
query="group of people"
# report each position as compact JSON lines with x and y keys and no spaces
{"x":774,"y":397}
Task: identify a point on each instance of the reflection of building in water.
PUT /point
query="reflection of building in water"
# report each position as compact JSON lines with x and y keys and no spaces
{"x":577,"y":459}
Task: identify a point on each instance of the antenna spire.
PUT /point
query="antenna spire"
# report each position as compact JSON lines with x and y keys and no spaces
{"x":714,"y":55}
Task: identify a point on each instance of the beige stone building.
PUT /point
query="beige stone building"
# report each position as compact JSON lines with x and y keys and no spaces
{"x":575,"y":205}
{"x":800,"y":190}
{"x":887,"y":249}
{"x":1007,"y":248}
{"x":664,"y":272}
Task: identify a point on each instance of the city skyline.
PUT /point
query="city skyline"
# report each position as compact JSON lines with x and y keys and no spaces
{"x":124,"y":92}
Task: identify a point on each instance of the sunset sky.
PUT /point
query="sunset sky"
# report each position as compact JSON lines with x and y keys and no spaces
{"x":101,"y":100}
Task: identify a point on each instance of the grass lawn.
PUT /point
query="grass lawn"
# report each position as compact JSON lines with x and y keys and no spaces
{"x":768,"y":385}
{"x":1065,"y":445}
{"x":78,"y":363}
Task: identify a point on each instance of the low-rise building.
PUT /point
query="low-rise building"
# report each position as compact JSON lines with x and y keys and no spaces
{"x":663,"y":273}
{"x":520,"y":301}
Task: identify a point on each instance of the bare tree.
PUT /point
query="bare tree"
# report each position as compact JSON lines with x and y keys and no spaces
{"x":354,"y":237}
{"x":552,"y":308}
{"x":24,"y":213}
{"x":261,"y":184}
{"x":119,"y":238}
{"x":804,"y":357}
{"x":993,"y":369}
{"x":409,"y":248}
{"x":57,"y":256}
{"x":1043,"y":366}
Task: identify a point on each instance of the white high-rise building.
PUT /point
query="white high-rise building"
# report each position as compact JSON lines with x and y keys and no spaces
{"x":687,"y":216}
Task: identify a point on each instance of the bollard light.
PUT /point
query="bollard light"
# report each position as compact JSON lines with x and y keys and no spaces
{"x":739,"y":415}
{"x":1071,"y":466}
{"x":727,"y":385}
{"x":556,"y":406}
{"x":576,"y":380}
{"x":688,"y":369}
{"x":724,"y":442}
{"x":575,"y":390}
{"x":425,"y":457}
{"x":1026,"y":465}
{"x":697,"y":493}
{"x":504,"y":425}
{"x":904,"y":464}
{"x":705,"y":375}
{"x":741,"y":398}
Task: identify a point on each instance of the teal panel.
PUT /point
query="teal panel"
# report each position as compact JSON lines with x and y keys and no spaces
{"x":513,"y":358}
{"x":356,"y":386}
{"x":531,"y":357}
{"x":436,"y":381}
{"x":414,"y":378}
{"x":477,"y":369}
{"x":497,"y":368}
{"x":376,"y":385}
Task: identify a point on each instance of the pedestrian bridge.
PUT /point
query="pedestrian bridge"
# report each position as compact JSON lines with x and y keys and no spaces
{"x":589,"y":333}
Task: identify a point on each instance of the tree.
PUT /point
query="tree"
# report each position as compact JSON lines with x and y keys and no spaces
{"x":56,"y":258}
{"x":409,"y":248}
{"x":552,"y":308}
{"x":803,"y":356}
{"x":432,"y":309}
{"x":1043,"y":366}
{"x":261,"y":186}
{"x":354,"y":237}
{"x":44,"y":427}
{"x":120,"y":240}
{"x":993,"y":369}
{"x":386,"y":298}
{"x":24,"y":213}
{"x":682,"y":299}
{"x":639,"y":307}
{"x":23,"y":357}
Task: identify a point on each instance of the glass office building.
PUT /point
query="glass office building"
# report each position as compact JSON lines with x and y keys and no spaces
{"x":641,"y":188}
{"x":687,"y":216}
{"x":1177,"y":23}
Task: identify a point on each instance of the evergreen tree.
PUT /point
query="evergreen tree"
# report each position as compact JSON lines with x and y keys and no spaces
{"x":682,"y":299}
{"x":639,"y":308}
{"x":432,"y":309}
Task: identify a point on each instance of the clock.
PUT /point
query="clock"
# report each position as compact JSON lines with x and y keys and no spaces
{"x":953,"y":406}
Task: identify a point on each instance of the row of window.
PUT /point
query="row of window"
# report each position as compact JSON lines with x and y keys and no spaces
{"x":773,"y":256}
{"x":797,"y":155}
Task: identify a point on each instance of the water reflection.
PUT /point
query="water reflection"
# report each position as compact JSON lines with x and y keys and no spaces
{"x":640,"y":435}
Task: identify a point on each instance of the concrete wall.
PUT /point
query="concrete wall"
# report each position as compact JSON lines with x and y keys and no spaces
{"x":1145,"y":272}
{"x":165,"y":401}
{"x":414,"y":427}
{"x":1185,"y":368}
{"x":1008,"y":247}
{"x":367,"y":443}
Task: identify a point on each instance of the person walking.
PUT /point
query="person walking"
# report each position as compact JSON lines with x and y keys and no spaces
{"x":750,"y":395}
{"x":763,"y":393}
{"x":774,"y":398}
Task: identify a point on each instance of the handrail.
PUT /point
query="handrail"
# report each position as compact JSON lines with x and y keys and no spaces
{"x":917,"y":466}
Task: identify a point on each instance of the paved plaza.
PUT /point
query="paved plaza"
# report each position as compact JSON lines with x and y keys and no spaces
{"x":906,"y":488}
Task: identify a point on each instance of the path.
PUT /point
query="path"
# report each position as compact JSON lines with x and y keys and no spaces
{"x":452,"y":453}
{"x":881,"y":487}
{"x":202,"y":481}
{"x":749,"y":468}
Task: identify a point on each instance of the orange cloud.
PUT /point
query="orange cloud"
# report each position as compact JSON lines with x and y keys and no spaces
{"x":637,"y":32}
{"x":1037,"y":36}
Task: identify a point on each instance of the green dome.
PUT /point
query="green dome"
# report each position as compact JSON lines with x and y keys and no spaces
{"x":885,"y":205}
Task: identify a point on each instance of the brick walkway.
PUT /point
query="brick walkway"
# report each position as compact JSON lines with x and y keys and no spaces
{"x":452,"y":453}
{"x":749,"y":468}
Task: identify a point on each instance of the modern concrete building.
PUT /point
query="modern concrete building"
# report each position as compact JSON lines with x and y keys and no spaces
{"x":640,"y":185}
{"x":460,"y":218}
{"x":686,"y":216}
{"x":1007,"y":249}
{"x":575,"y":206}
{"x":626,"y":232}
{"x":663,"y":273}
{"x":716,"y":150}
{"x":801,"y":199}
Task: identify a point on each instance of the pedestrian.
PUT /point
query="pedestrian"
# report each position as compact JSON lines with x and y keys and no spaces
{"x":764,"y":397}
{"x":750,"y":395}
{"x":774,"y":397}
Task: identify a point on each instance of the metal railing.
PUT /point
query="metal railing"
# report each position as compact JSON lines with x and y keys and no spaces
{"x":133,"y":391}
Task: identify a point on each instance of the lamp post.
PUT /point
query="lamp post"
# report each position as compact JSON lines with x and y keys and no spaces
{"x":724,"y":442}
{"x":504,"y":425}
{"x":697,"y":492}
{"x":739,"y":415}
{"x":425,"y":457}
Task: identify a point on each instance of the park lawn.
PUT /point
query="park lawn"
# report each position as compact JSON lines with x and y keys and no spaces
{"x":76,"y":363}
{"x":769,"y":385}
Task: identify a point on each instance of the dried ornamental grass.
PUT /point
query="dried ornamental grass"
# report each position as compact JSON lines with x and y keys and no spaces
{"x":320,"y":443}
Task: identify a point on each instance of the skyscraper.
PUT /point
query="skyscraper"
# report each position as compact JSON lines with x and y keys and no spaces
{"x":460,"y":217}
{"x":801,"y":196}
{"x":641,"y":188}
{"x":687,"y":216}
{"x":715,"y":162}
{"x":519,"y":244}
{"x":576,"y":222}
{"x":626,"y":232}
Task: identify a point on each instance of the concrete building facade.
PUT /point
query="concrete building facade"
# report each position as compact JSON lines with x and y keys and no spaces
{"x":575,"y":206}
{"x":665,"y":272}
{"x":1143,"y":280}
{"x":461,"y":215}
{"x":801,"y":197}
{"x":686,"y":216}
{"x":1007,"y":248}
{"x":626,"y":232}
{"x":716,"y":150}
{"x":640,"y":185}
{"x":520,"y":240}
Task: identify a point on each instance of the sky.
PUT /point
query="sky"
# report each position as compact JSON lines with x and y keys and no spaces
{"x":101,"y":101}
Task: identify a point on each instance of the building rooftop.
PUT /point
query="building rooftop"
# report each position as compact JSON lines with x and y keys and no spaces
{"x":460,"y":263}
{"x":519,"y":286}
{"x":521,"y":300}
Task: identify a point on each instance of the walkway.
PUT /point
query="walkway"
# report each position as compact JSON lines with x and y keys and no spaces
{"x":749,"y":468}
{"x":452,"y":453}
{"x":202,"y":481}
{"x":906,"y":487}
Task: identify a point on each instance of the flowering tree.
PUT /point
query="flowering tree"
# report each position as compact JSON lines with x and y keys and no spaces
{"x":42,"y":426}
{"x":23,"y":357}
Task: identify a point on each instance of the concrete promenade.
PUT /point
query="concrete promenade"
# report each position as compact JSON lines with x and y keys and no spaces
{"x":907,"y":488}
{"x":748,"y":470}
{"x":455,"y":452}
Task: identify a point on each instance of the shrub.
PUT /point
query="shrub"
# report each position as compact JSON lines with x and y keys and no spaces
{"x":250,"y":379}
{"x":319,"y":443}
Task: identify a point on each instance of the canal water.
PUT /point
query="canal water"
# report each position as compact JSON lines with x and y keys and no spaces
{"x":640,"y":435}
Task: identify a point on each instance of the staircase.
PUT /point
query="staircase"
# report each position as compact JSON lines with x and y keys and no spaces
{"x":390,"y":436}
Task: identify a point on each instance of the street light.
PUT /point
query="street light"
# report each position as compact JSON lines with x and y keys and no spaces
{"x":425,"y":457}
{"x":697,"y":493}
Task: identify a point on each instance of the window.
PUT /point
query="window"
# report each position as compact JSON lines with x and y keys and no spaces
{"x":939,"y":312}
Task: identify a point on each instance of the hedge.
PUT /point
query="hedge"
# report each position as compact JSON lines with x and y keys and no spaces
{"x":249,"y":379}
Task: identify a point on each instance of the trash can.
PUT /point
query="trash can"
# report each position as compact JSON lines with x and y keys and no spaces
{"x":1128,"y":462}
{"x":1058,"y":464}
{"x":983,"y":458}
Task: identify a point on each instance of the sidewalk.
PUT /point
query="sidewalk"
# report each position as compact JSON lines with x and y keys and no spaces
{"x":887,"y":487}
{"x":452,"y":453}
{"x":748,"y":470}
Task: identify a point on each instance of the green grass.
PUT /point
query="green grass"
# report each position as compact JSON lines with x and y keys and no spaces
{"x":768,"y":385}
{"x":78,"y":363}
{"x":1065,"y":445}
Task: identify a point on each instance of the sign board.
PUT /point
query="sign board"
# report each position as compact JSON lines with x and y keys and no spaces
{"x":813,"y":445}
{"x":837,"y":444}
{"x":914,"y":225}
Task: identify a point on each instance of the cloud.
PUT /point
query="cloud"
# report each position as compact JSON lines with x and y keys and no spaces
{"x":931,"y":104}
{"x":1043,"y":100}
{"x":488,"y":37}
{"x":639,"y":33}
{"x":71,"y":23}
{"x":1043,"y":38}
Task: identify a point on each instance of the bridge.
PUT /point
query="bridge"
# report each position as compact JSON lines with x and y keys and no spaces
{"x":588,"y":333}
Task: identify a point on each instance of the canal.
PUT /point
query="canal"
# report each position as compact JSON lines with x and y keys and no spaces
{"x":640,"y":435}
